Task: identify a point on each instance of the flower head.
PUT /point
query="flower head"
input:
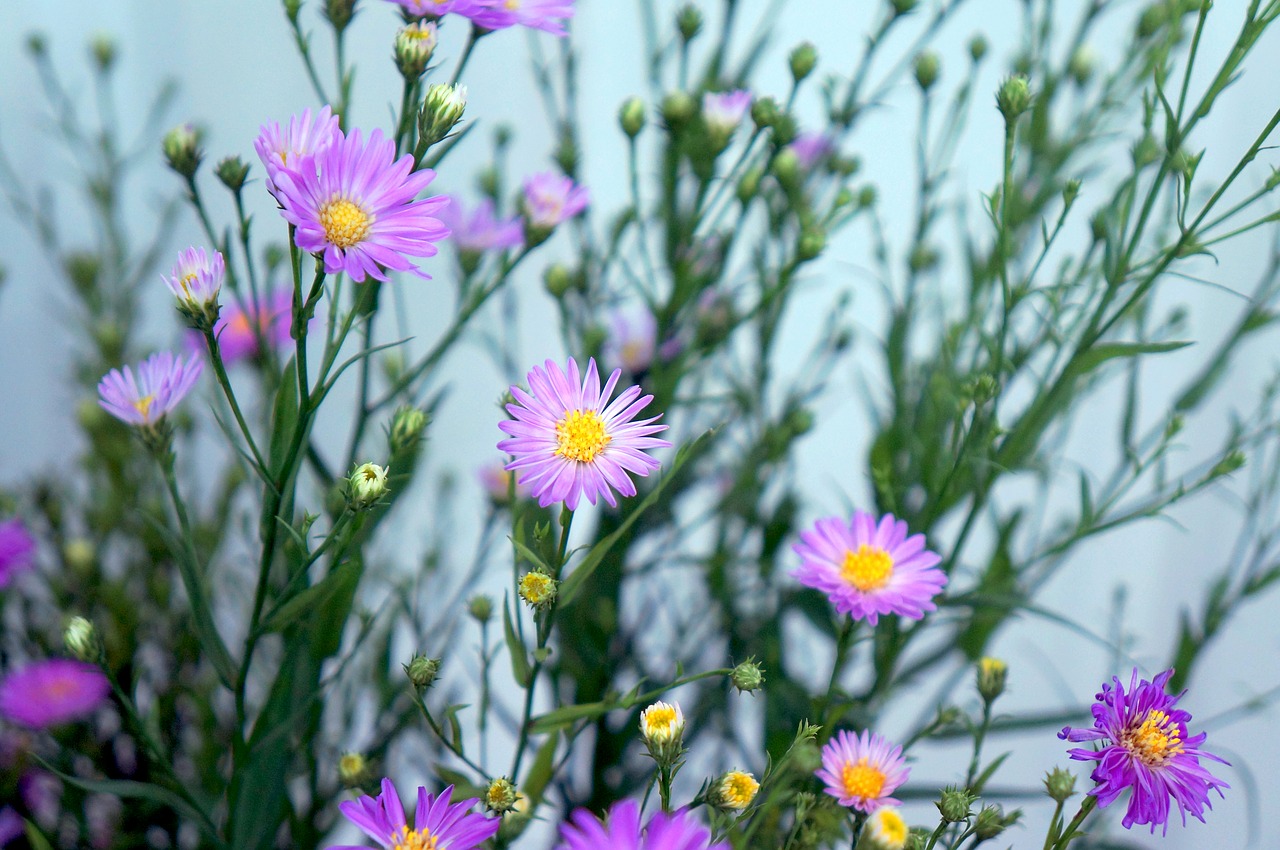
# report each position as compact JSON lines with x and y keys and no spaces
{"x":237,"y":340}
{"x":437,"y":825}
{"x":480,"y":230}
{"x":675,"y":831}
{"x":414,"y":45}
{"x":550,"y":199}
{"x":438,"y":8}
{"x":884,"y":830}
{"x":662,"y":723}
{"x":366,"y":485}
{"x":282,"y":148}
{"x":862,"y":770}
{"x":722,"y":112}
{"x":546,"y":15}
{"x":355,"y":203}
{"x":538,"y":589}
{"x":735,"y":790}
{"x":195,"y":281}
{"x":812,"y":149}
{"x":162,"y":381}
{"x":868,"y":568}
{"x":17,"y":550}
{"x":52,"y":692}
{"x":568,"y":440}
{"x":1146,"y":747}
{"x":633,"y":341}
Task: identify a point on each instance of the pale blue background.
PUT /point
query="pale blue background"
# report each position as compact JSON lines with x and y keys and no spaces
{"x":237,"y":69}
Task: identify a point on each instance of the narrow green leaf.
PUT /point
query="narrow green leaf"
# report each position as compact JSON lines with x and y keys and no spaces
{"x":35,"y":837}
{"x":540,"y":772}
{"x":985,"y":776}
{"x":567,"y":715}
{"x":1099,"y":354}
{"x":284,"y":417}
{"x":317,"y":597}
{"x":515,"y":648}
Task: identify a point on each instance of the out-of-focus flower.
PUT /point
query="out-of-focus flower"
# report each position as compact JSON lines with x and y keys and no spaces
{"x":236,"y":338}
{"x":546,"y":15}
{"x":353,"y":769}
{"x":868,"y":568}
{"x":438,"y":8}
{"x":52,"y":692}
{"x":436,"y":823}
{"x":162,"y":381}
{"x":632,"y":342}
{"x":356,"y":203}
{"x":861,"y":771}
{"x":735,"y":790}
{"x":884,"y":830}
{"x":496,"y":481}
{"x":722,"y":112}
{"x":550,"y":199}
{"x":11,"y":826}
{"x":568,"y":440}
{"x":17,"y":551}
{"x":480,"y":230}
{"x":674,"y":831}
{"x":992,"y":674}
{"x":195,"y":282}
{"x":812,"y":149}
{"x":305,"y":135}
{"x":1146,"y":747}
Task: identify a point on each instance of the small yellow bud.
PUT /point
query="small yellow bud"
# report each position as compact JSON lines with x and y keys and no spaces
{"x":662,"y":725}
{"x":538,"y":589}
{"x":368,"y":484}
{"x":734,"y":791}
{"x":501,"y":796}
{"x":884,"y":830}
{"x":353,"y":769}
{"x":992,"y":673}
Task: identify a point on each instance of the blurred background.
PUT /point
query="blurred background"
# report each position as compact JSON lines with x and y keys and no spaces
{"x":235,"y":68}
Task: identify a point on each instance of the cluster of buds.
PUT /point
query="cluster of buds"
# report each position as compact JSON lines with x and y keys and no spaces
{"x":662,"y":726}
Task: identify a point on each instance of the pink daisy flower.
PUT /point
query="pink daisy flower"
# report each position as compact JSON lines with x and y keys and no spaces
{"x":568,"y":440}
{"x":355,"y":203}
{"x":438,"y":8}
{"x":1146,"y":748}
{"x":868,"y":568}
{"x":551,"y":198}
{"x":196,"y":280}
{"x":236,"y":338}
{"x":633,"y":341}
{"x":861,"y":771}
{"x":676,"y":831}
{"x":722,"y":112}
{"x":481,"y":230}
{"x":282,"y":147}
{"x":51,"y":693}
{"x":546,"y":15}
{"x":163,"y":381}
{"x":812,"y":149}
{"x":17,"y":551}
{"x":436,"y":824}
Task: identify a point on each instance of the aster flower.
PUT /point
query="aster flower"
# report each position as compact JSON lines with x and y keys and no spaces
{"x":884,"y":830}
{"x":195,"y":282}
{"x":1146,"y":747}
{"x":436,"y":823}
{"x":438,"y":8}
{"x":861,"y":771}
{"x":812,"y":149}
{"x":162,"y":381}
{"x":550,"y":199}
{"x":17,"y":551}
{"x":568,"y":440}
{"x":282,"y":147}
{"x":480,"y":230}
{"x":546,"y":15}
{"x":722,"y":112}
{"x":273,"y":314}
{"x":51,"y":693}
{"x":633,"y":341}
{"x":868,"y":568}
{"x":355,"y":203}
{"x":675,"y":831}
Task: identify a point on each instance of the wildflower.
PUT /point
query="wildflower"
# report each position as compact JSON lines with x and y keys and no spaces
{"x":82,"y":640}
{"x":442,"y":108}
{"x":496,"y":482}
{"x":181,"y":147}
{"x":17,"y":550}
{"x":481,"y":230}
{"x":162,"y":381}
{"x":501,"y":796}
{"x":237,"y":339}
{"x":812,"y":150}
{"x":884,"y":830}
{"x":662,"y":725}
{"x":282,"y":148}
{"x":368,"y":484}
{"x":1146,"y":748}
{"x":735,"y":790}
{"x":674,"y":831}
{"x":747,"y":676}
{"x":862,"y":770}
{"x":546,"y":15}
{"x":568,"y":440}
{"x":868,"y":568}
{"x":422,"y":671}
{"x":633,"y":341}
{"x":538,"y":589}
{"x":992,"y":673}
{"x":438,"y":8}
{"x":51,"y":693}
{"x":353,"y":769}
{"x":413,"y":48}
{"x":355,"y":203}
{"x":436,"y":823}
{"x":722,"y":112}
{"x":550,"y":199}
{"x":195,"y":282}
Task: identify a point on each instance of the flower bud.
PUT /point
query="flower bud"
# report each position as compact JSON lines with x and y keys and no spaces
{"x":232,"y":171}
{"x":501,"y":796}
{"x":812,"y":242}
{"x":734,"y":791}
{"x":917,"y":839}
{"x":786,"y":167}
{"x":954,"y":804}
{"x":765,"y":112}
{"x":422,"y":671}
{"x":353,"y":770}
{"x":557,"y":279}
{"x":538,"y":589}
{"x":678,"y":109}
{"x":992,"y":673}
{"x":104,"y":51}
{"x":339,"y":13}
{"x":903,"y":7}
{"x":1013,"y":98}
{"x":366,"y":485}
{"x":689,"y":22}
{"x":291,"y":9}
{"x":747,"y":677}
{"x":992,"y":821}
{"x":749,"y":185}
{"x":1081,"y":65}
{"x":631,"y":116}
{"x":181,"y":147}
{"x":884,"y":830}
{"x":662,"y":725}
{"x":442,"y":109}
{"x":480,"y":607}
{"x":803,"y":60}
{"x":83,"y":641}
{"x":1071,"y":191}
{"x":1060,"y":785}
{"x":79,"y":553}
{"x":866,"y":197}
{"x":407,"y":425}
{"x":978,"y":47}
{"x":413,"y":48}
{"x":928,"y":67}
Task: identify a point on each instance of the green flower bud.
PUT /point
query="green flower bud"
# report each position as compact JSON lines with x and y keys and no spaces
{"x":82,"y":268}
{"x":867,"y":197}
{"x":442,"y":109}
{"x":480,"y":607}
{"x":1013,"y":98}
{"x":557,"y":279}
{"x":917,"y":839}
{"x":366,"y":486}
{"x":1060,"y":785}
{"x":678,"y":109}
{"x":1081,"y":65}
{"x":1071,"y":191}
{"x":747,"y":677}
{"x":232,"y":171}
{"x":181,"y":147}
{"x":37,"y":44}
{"x":786,"y":167}
{"x":82,"y":640}
{"x":928,"y":67}
{"x":992,"y":673}
{"x":922,"y":257}
{"x":803,"y":59}
{"x":422,"y":671}
{"x":978,"y":47}
{"x":631,"y":117}
{"x":1098,"y":225}
{"x":104,"y":50}
{"x":407,"y":425}
{"x":749,"y":185}
{"x":1146,"y":151}
{"x":413,"y":48}
{"x":688,"y":22}
{"x":501,"y":796}
{"x":812,"y":242}
{"x":1153,"y":19}
{"x":954,"y":804}
{"x":291,"y":9}
{"x":764,"y":112}
{"x":538,"y":589}
{"x":992,"y":821}
{"x":339,"y":13}
{"x":903,"y":7}
{"x":1230,"y":463}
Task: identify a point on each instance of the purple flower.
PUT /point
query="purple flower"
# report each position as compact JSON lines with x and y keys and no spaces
{"x":676,"y":831}
{"x":633,"y":341}
{"x":868,"y":568}
{"x":1146,"y":747}
{"x":195,"y":282}
{"x":481,"y":230}
{"x":355,"y":202}
{"x":812,"y":149}
{"x":438,"y":8}
{"x":722,"y":112}
{"x":862,"y":770}
{"x":546,"y":15}
{"x":11,"y":826}
{"x":568,"y":440}
{"x":17,"y":551}
{"x":53,"y":692}
{"x":280,"y":148}
{"x":435,"y":824}
{"x":551,"y":198}
{"x":274,"y":316}
{"x":162,"y":382}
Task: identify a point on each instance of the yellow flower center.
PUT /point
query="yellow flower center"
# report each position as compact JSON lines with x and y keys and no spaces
{"x":862,"y":780}
{"x":512,"y":5}
{"x":1155,"y":741}
{"x":738,"y":789}
{"x":660,"y":719}
{"x":344,"y":223}
{"x":415,"y":840}
{"x":867,"y":569}
{"x":890,"y":828}
{"x":581,"y":435}
{"x":143,"y":405}
{"x":186,"y":281}
{"x":536,"y":588}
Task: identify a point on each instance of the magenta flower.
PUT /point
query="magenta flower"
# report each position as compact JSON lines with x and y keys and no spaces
{"x":551,"y":198}
{"x":862,"y":770}
{"x":868,"y":568}
{"x":162,"y":382}
{"x":280,"y":148}
{"x":546,"y":15}
{"x":633,"y":341}
{"x":722,"y":112}
{"x":435,"y":824}
{"x":812,"y":149}
{"x":355,"y":203}
{"x":236,"y":338}
{"x":196,"y":280}
{"x":51,"y":693}
{"x":17,"y":551}
{"x":1146,"y":747}
{"x":568,"y":440}
{"x":676,"y":831}
{"x":481,"y":231}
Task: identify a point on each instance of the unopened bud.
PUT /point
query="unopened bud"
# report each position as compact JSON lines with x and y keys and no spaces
{"x":749,"y":185}
{"x":407,"y":425}
{"x":291,"y":9}
{"x":812,"y":242}
{"x":339,"y":13}
{"x":353,"y":770}
{"x":928,"y":67}
{"x":422,"y":671}
{"x":978,"y":47}
{"x":480,"y":607}
{"x":992,"y":673}
{"x":1071,"y":191}
{"x":1060,"y":785}
{"x":689,"y":22}
{"x":747,"y":677}
{"x":765,"y":112}
{"x":82,"y":640}
{"x":1013,"y":98}
{"x":557,"y":279}
{"x":413,"y":48}
{"x":1081,"y":65}
{"x":734,"y":791}
{"x":954,"y":804}
{"x":631,"y":117}
{"x":366,"y":485}
{"x":803,"y":60}
{"x":903,"y":7}
{"x":103,"y":48}
{"x":678,"y":109}
{"x":232,"y":171}
{"x":181,"y":147}
{"x":501,"y":796}
{"x":992,"y":821}
{"x":442,"y":109}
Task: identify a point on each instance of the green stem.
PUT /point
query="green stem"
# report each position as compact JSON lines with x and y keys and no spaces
{"x":1069,"y":834}
{"x":220,"y":371}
